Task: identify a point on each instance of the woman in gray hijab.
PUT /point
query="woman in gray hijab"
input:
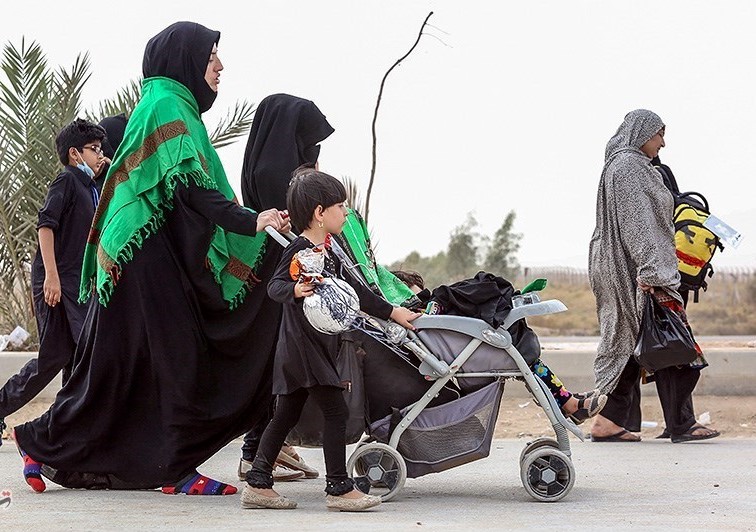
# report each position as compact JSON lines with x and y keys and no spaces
{"x":632,"y":251}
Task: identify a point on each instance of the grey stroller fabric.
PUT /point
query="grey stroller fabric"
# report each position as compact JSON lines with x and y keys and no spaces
{"x":633,"y":239}
{"x":447,"y":345}
{"x":449,"y":435}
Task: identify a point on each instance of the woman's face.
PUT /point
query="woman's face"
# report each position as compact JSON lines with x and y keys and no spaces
{"x":654,"y":144}
{"x":214,"y":66}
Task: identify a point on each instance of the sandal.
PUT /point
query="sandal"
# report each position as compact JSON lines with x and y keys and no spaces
{"x":689,"y":436}
{"x":589,"y":405}
{"x":616,"y":438}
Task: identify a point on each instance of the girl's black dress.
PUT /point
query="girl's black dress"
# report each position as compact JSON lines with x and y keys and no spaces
{"x":305,"y":357}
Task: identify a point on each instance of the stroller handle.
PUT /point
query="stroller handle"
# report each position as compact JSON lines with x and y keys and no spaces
{"x":281,"y":238}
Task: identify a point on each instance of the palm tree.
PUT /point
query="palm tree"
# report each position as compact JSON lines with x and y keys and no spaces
{"x":36,"y":101}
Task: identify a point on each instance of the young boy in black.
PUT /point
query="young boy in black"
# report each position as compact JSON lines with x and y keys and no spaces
{"x":63,"y":226}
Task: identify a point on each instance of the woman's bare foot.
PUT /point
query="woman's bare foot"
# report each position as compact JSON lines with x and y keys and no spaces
{"x":604,"y":428}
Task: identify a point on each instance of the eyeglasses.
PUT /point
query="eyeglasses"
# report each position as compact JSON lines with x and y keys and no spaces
{"x":96,"y":149}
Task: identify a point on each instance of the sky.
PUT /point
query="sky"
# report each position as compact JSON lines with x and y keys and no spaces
{"x":502,"y":106}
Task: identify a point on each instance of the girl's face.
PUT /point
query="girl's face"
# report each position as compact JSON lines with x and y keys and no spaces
{"x":334,"y":218}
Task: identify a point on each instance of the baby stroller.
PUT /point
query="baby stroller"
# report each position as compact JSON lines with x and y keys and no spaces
{"x":469,"y":355}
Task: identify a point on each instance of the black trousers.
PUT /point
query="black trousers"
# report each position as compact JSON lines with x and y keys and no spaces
{"x":253,"y":437}
{"x":330,"y":400}
{"x":59,"y":328}
{"x":675,"y":388}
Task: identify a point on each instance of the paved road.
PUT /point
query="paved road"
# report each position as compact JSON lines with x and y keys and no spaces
{"x":649,"y":485}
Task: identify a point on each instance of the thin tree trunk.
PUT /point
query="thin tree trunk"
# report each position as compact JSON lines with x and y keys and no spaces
{"x":375,"y":114}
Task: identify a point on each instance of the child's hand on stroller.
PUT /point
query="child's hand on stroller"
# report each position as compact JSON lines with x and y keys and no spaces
{"x":303,"y":289}
{"x":403,"y":316}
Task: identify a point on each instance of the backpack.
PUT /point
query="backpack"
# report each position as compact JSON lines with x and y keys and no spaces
{"x":695,"y":245}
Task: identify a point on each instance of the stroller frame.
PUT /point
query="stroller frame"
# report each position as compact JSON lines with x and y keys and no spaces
{"x":546,"y":468}
{"x":547,"y":472}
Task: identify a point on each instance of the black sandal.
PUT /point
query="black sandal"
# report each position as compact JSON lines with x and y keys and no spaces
{"x":689,"y":436}
{"x":589,"y":405}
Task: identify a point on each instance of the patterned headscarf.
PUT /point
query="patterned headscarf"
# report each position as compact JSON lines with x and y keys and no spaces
{"x":637,"y":129}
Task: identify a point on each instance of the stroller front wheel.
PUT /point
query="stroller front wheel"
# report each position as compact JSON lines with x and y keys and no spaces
{"x":379,"y":469}
{"x":547,"y":474}
{"x":538,"y":443}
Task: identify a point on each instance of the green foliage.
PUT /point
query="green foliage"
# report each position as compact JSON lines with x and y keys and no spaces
{"x":462,"y":251}
{"x":467,"y":253}
{"x":36,"y":101}
{"x":432,"y":269}
{"x":502,"y":255}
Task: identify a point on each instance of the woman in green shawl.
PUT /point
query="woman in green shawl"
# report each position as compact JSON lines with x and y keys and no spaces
{"x":166,"y":372}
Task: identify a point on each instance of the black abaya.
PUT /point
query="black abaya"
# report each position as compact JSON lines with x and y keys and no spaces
{"x":166,"y":374}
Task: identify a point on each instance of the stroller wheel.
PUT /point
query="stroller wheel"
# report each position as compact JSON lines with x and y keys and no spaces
{"x":547,"y":474}
{"x":538,"y":443}
{"x":379,"y":469}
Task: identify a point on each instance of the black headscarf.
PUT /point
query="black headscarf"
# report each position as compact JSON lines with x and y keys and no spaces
{"x":285,"y":134}
{"x":114,"y":127}
{"x":181,"y":52}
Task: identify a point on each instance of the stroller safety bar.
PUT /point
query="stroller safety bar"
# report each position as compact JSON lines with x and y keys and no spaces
{"x":552,"y":306}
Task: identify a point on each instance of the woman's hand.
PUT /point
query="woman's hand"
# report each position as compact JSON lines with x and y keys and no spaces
{"x":645,"y":287}
{"x":52,"y":289}
{"x":278,"y":220}
{"x":403,"y":316}
{"x":302,"y":289}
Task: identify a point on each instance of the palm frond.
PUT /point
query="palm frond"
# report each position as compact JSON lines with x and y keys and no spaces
{"x":123,"y":102}
{"x":237,"y":123}
{"x":354,"y":198}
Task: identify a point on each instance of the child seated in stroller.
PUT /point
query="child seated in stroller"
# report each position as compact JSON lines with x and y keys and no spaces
{"x":576,"y":406}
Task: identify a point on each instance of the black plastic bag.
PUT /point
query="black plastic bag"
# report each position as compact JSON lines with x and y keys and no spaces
{"x":663,"y":340}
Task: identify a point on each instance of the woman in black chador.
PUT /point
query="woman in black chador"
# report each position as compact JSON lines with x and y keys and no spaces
{"x":167,"y":371}
{"x":286,"y":133}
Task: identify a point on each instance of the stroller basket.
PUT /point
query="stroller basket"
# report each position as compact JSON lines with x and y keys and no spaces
{"x":448,"y":435}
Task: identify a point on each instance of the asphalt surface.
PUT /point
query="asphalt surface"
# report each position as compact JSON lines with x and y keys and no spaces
{"x":651,"y":485}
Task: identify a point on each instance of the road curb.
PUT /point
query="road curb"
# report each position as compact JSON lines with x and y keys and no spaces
{"x":731,"y":371}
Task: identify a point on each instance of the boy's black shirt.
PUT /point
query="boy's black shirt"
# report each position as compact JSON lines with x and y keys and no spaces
{"x":68,"y":211}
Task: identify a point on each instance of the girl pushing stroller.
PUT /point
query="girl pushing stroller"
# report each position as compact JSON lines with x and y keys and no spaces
{"x":305,"y":358}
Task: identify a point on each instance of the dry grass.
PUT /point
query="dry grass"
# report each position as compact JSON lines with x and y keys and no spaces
{"x":727,"y":308}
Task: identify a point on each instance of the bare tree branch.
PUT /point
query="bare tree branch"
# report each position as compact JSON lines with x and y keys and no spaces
{"x":375,"y":114}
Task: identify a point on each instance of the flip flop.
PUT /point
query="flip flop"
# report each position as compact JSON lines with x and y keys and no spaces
{"x":614,"y":437}
{"x":664,"y":435}
{"x":689,"y":436}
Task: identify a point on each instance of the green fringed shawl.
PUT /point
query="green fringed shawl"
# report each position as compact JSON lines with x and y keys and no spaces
{"x":356,"y":234}
{"x":165,"y":143}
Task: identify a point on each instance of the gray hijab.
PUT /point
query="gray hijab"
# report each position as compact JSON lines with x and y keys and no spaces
{"x":636,"y":129}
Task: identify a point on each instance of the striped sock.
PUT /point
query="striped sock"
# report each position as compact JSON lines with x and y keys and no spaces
{"x":197,"y":484}
{"x":32,"y":470}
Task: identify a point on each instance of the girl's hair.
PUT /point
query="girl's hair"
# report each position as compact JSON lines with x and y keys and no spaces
{"x":308,"y":189}
{"x":410,"y":278}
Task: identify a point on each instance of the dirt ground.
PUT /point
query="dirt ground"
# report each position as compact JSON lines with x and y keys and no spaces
{"x":733,"y":416}
{"x":521,"y":418}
